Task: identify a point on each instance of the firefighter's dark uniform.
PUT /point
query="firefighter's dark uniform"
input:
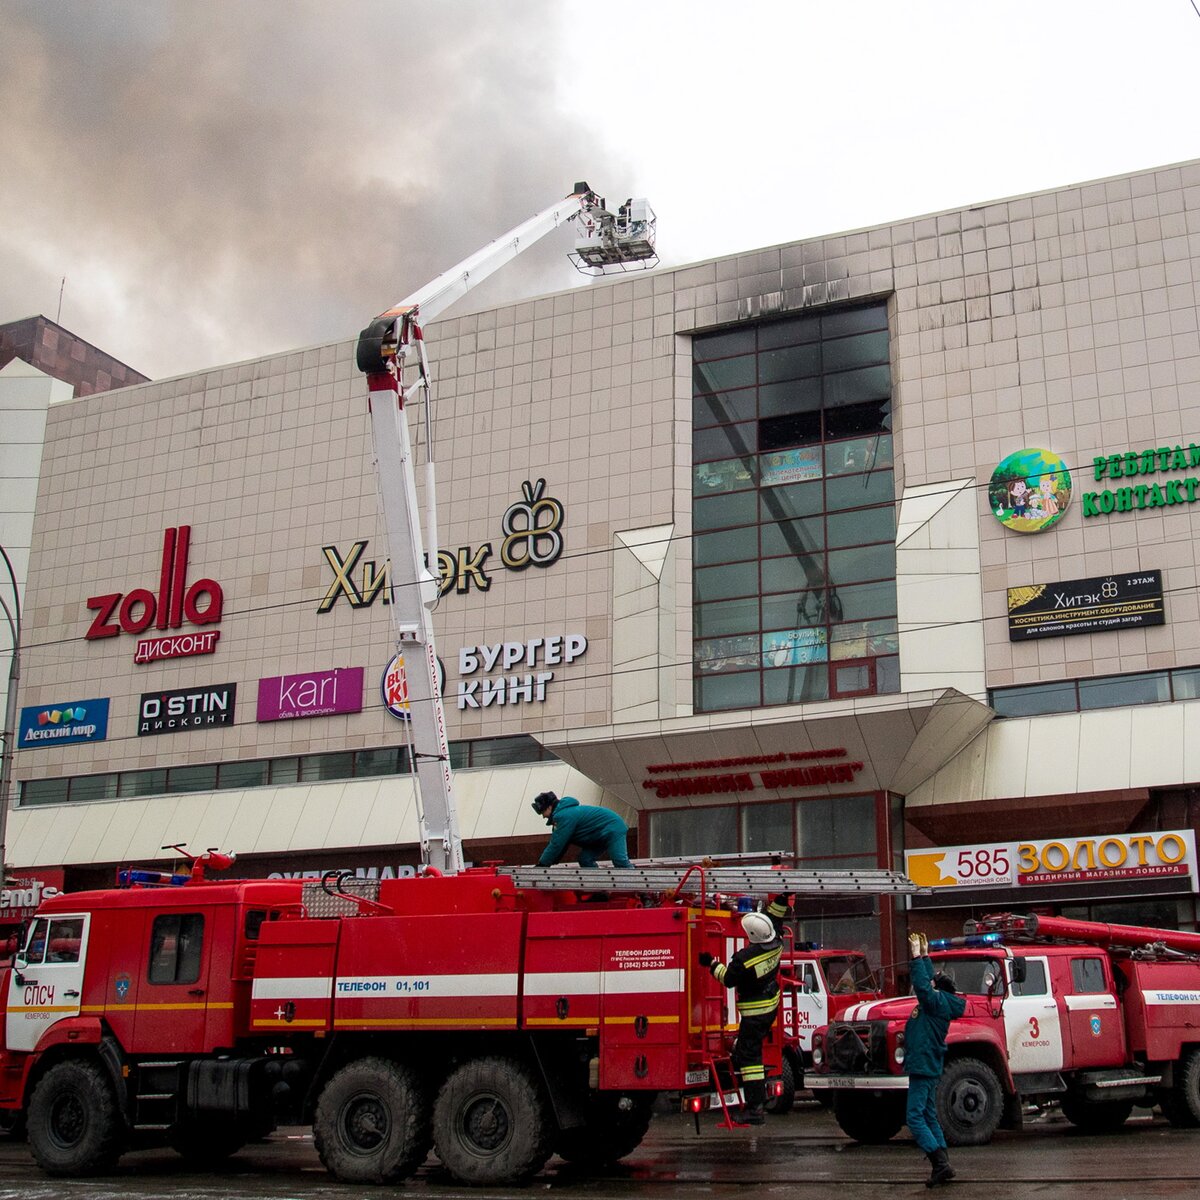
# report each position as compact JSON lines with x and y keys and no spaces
{"x":753,"y":972}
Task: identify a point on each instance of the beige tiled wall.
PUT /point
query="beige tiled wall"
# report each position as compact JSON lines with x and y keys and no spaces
{"x":1065,"y":320}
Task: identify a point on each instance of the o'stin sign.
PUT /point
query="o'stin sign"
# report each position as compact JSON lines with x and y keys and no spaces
{"x":1030,"y":490}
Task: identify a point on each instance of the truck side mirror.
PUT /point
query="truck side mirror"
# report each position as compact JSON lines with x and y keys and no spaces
{"x":1017,"y":970}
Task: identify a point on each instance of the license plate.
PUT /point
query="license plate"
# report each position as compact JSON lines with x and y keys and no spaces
{"x":692,"y":1078}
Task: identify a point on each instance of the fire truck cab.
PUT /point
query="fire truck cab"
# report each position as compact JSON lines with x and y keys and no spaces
{"x":1099,"y":1019}
{"x":818,"y":984}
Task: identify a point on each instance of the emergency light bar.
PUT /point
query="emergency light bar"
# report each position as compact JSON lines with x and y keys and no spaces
{"x":972,"y":941}
{"x":136,"y":877}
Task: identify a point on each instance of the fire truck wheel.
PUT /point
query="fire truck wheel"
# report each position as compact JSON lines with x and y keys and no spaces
{"x":1181,"y":1105}
{"x":1096,"y":1116}
{"x":872,"y":1120}
{"x":781,"y":1105}
{"x":372,"y":1122}
{"x":970,"y":1102}
{"x":74,"y":1126}
{"x":609,"y":1133}
{"x":492,"y":1122}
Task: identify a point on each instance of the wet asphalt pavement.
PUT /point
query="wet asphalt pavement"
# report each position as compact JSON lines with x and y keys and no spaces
{"x":801,"y":1155}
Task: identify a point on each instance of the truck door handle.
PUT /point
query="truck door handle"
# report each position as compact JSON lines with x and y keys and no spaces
{"x":72,"y":992}
{"x":195,"y":991}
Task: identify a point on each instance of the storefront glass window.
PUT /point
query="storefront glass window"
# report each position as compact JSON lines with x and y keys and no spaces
{"x":722,"y":407}
{"x":728,"y":475}
{"x":1153,"y":688}
{"x":767,"y":827}
{"x":93,"y":787}
{"x":797,"y":684}
{"x":718,"y":692}
{"x":142,"y":783}
{"x":311,"y":768}
{"x":285,"y":770}
{"x":44,"y":791}
{"x":1185,"y":684}
{"x":243,"y":774}
{"x":833,"y":825}
{"x":792,"y":455}
{"x":201,"y":778}
{"x":696,"y":831}
{"x":1035,"y":700}
{"x":314,"y":767}
{"x":370,"y":763}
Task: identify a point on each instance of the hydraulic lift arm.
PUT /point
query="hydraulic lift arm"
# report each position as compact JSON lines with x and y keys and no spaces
{"x":385,"y":347}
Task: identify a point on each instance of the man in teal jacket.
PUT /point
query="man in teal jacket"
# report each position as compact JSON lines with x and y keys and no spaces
{"x":925,"y":1055}
{"x":598,"y":832}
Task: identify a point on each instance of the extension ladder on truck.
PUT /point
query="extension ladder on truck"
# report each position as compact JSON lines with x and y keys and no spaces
{"x":713,"y":880}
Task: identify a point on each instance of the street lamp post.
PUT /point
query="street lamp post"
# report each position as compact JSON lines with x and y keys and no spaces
{"x":13,"y":616}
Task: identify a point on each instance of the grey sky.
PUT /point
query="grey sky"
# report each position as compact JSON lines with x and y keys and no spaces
{"x":219,"y":180}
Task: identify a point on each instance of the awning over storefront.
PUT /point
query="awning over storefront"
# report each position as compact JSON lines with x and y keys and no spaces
{"x":888,"y":743}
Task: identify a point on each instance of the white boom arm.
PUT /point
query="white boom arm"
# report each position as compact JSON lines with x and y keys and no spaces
{"x":384,"y":348}
{"x":437,"y":295}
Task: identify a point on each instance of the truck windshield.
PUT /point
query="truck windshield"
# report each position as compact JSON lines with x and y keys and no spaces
{"x":847,"y":973}
{"x":976,"y":975}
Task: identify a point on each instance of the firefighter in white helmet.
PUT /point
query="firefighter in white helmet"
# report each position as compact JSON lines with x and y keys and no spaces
{"x":753,"y":972}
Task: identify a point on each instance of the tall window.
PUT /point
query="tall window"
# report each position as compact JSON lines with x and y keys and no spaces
{"x":793,"y":512}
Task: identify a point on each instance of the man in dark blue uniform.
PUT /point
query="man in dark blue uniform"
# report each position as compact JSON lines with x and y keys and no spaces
{"x":925,"y":1054}
{"x":598,"y":832}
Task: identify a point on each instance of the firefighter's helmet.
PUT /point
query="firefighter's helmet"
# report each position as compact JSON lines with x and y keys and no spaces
{"x":757,"y":927}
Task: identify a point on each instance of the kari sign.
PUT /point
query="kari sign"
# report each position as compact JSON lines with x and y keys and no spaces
{"x":315,"y":694}
{"x":58,"y":724}
{"x":1118,"y":856}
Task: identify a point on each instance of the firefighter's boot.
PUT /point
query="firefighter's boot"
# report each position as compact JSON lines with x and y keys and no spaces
{"x":754,"y":1111}
{"x":942,"y":1171}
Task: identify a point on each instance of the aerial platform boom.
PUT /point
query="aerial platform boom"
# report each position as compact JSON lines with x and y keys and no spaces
{"x":384,"y":349}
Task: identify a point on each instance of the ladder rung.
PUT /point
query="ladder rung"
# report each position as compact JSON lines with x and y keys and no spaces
{"x":754,"y":881}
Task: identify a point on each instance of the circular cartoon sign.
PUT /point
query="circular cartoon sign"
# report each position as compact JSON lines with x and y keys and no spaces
{"x":1030,"y":490}
{"x":393,"y":686}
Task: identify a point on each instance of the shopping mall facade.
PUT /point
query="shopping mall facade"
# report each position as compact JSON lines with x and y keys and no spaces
{"x":865,"y":545}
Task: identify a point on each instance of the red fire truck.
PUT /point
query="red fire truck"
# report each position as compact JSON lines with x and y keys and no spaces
{"x":1097,"y":1017}
{"x":819,"y":983}
{"x":498,"y":1016}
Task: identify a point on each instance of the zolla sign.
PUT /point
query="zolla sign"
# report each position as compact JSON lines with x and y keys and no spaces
{"x":1139,"y":464}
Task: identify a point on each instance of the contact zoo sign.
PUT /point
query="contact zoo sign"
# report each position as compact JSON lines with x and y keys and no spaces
{"x":531,"y":536}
